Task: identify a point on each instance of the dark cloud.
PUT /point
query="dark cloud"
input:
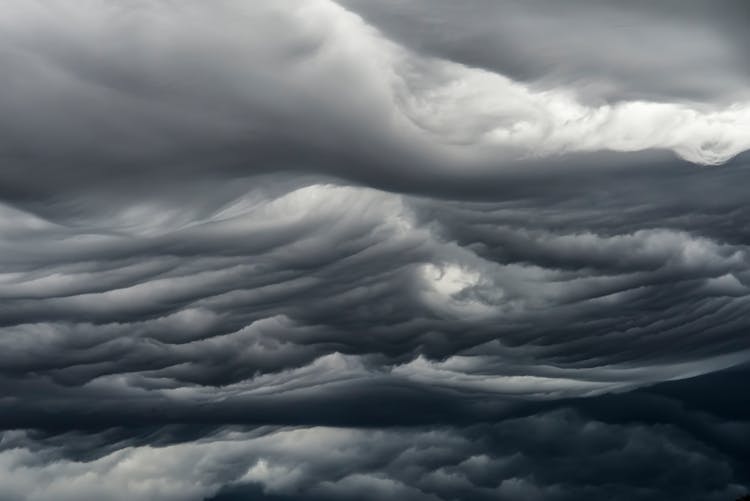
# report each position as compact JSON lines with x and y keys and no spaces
{"x":669,"y":50}
{"x":355,"y":250}
{"x":639,"y":445}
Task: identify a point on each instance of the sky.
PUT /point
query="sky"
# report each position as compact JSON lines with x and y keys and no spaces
{"x":318,"y":250}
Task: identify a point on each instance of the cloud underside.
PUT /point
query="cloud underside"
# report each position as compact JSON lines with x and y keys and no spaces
{"x":632,"y":447}
{"x":358,"y":250}
{"x":200,"y":90}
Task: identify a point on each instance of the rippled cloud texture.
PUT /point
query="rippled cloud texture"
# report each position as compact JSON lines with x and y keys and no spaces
{"x":369,"y":250}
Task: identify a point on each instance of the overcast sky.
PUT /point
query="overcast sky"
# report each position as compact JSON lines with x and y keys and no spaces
{"x":287,"y":250}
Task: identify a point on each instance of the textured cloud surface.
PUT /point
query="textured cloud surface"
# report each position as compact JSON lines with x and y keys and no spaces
{"x":287,"y":250}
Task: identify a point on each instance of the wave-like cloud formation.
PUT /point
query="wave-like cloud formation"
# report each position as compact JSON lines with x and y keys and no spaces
{"x":358,"y":250}
{"x":242,"y":86}
{"x":520,"y":458}
{"x":329,"y":286}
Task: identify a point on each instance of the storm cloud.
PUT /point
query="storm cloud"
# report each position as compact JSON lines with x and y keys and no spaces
{"x":374,"y":250}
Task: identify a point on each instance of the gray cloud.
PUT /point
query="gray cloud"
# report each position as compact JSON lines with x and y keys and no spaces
{"x":461,"y":249}
{"x":694,"y":49}
{"x":561,"y":454}
{"x":185,"y":96}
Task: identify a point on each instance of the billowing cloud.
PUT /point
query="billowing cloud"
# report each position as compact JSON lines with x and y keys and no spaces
{"x":162,"y":91}
{"x":359,"y":250}
{"x":562,"y":454}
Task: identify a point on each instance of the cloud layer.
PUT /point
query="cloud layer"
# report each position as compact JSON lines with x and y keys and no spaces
{"x":358,"y":250}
